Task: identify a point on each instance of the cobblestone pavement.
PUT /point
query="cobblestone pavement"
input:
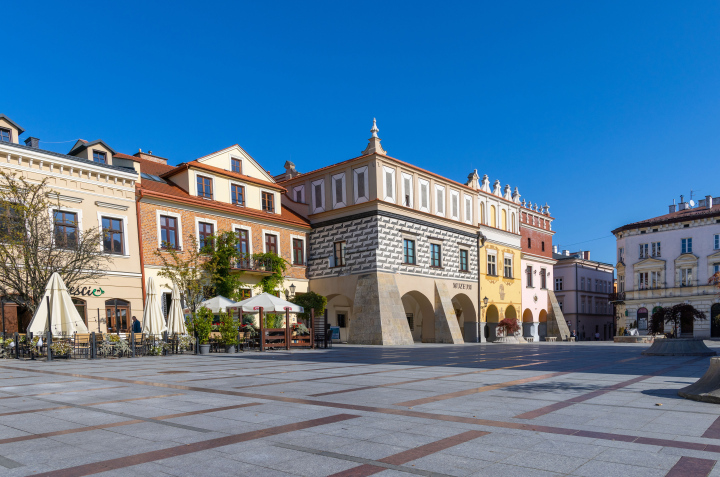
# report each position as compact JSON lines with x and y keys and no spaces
{"x":587,"y":409}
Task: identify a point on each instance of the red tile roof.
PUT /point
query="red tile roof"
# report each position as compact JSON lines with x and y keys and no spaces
{"x":678,"y":216}
{"x":223,"y":172}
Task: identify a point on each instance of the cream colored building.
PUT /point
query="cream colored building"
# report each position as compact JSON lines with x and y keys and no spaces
{"x":91,"y":185}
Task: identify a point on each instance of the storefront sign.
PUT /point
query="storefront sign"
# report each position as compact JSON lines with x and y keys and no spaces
{"x":462,"y":286}
{"x":86,"y":291}
{"x":335,"y":332}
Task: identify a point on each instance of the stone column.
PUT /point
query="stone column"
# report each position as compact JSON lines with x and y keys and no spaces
{"x":378,"y":315}
{"x":447,"y":329}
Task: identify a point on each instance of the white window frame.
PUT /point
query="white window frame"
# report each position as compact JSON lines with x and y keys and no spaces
{"x":467,"y":210}
{"x":686,"y":244}
{"x":197,"y":227}
{"x":317,"y":210}
{"x":126,"y":237}
{"x":242,"y":165}
{"x":426,"y":183}
{"x":275,"y":233}
{"x":491,"y":253}
{"x":359,"y":199}
{"x":655,"y":249}
{"x":403,"y":177}
{"x":174,"y":215}
{"x":300,"y":188}
{"x":304,"y":247}
{"x":440,"y":211}
{"x":235,"y":228}
{"x":717,"y":241}
{"x":508,"y":256}
{"x":388,"y":196}
{"x":455,"y":199}
{"x":559,"y":281}
{"x":341,"y":178}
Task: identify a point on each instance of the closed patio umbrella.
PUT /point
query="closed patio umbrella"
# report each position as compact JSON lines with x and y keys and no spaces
{"x":65,"y":319}
{"x":153,"y":322}
{"x":176,"y":319}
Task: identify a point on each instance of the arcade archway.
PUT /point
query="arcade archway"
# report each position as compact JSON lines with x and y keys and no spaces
{"x":529,"y":326}
{"x":466,"y":314}
{"x":492,"y":317}
{"x":339,"y":313}
{"x":420,"y":316}
{"x":542,"y":325}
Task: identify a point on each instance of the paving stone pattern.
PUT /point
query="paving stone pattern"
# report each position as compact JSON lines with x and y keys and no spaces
{"x":542,"y":409}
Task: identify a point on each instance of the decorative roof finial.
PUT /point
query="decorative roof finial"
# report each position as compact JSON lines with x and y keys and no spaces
{"x":374,"y":146}
{"x":374,"y":129}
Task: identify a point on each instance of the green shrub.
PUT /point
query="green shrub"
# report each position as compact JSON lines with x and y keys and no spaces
{"x":228,"y":329}
{"x":202,"y":325}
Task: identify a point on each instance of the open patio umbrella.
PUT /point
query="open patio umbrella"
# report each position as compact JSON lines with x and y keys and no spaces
{"x":65,"y":319}
{"x":153,"y":322}
{"x":269,"y":303}
{"x":176,"y":319}
{"x":218,"y":304}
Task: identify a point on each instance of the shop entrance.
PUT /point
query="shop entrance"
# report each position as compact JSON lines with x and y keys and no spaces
{"x":117,"y":313}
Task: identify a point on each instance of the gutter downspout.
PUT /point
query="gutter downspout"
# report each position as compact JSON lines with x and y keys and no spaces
{"x":577,"y":303}
{"x":480,"y":244}
{"x":140,"y":243}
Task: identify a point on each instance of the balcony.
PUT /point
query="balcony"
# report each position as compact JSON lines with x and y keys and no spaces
{"x":616,"y":297}
{"x":254,"y":265}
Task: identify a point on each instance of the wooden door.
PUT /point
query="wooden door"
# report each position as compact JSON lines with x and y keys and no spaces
{"x":117,"y":317}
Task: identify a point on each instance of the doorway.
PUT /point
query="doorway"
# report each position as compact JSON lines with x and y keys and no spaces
{"x":117,"y":313}
{"x":715,"y":321}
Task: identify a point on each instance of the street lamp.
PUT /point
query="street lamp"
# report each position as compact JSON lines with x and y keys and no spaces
{"x":485,"y":301}
{"x":292,"y":289}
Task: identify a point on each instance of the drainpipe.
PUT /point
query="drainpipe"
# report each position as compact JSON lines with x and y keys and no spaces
{"x":140,"y":244}
{"x":480,"y":243}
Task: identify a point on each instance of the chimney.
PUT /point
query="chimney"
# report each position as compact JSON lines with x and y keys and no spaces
{"x":32,"y":142}
{"x":566,"y":253}
{"x":150,"y":157}
{"x":709,"y":201}
{"x":673,"y":208}
{"x":586,"y":255}
{"x":555,"y":249}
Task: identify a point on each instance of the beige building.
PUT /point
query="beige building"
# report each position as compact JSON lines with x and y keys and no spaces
{"x":94,"y":189}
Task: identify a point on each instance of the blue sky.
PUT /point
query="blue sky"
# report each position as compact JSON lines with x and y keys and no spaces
{"x":607,"y":111}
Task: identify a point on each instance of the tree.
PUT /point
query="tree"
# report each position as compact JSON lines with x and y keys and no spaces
{"x":308,"y":301}
{"x":185,"y":271}
{"x":38,"y":239}
{"x":715,"y":280}
{"x":222,"y":251}
{"x":509,"y":325}
{"x":675,"y":315}
{"x":275,"y":264}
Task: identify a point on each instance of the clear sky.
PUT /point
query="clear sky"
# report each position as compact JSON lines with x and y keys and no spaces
{"x":605,"y":110}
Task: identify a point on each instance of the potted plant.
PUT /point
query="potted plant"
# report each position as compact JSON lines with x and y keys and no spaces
{"x":61,"y":349}
{"x":203,"y":326}
{"x":228,"y":332}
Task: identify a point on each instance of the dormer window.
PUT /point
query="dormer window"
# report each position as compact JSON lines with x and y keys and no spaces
{"x":204,"y":187}
{"x":238,"y":195}
{"x":236,"y":165}
{"x":99,"y":156}
{"x":5,"y":135}
{"x":268,"y":202}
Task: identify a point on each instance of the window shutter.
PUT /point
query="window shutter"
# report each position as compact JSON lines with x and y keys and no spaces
{"x":455,"y":206}
{"x":424,"y":194}
{"x":318,"y":196}
{"x":338,"y":190}
{"x":440,"y":207}
{"x":389,"y":184}
{"x":361,"y":184}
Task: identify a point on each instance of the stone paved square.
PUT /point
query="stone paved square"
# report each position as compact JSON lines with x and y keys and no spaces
{"x":542,"y":409}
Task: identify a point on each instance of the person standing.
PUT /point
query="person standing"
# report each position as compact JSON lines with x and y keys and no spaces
{"x":597,"y":336}
{"x":136,"y":325}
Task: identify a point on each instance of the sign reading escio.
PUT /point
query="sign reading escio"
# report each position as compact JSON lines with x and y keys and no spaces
{"x":86,"y":291}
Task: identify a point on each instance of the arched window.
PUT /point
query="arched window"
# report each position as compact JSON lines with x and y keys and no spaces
{"x":513,"y":222}
{"x":117,"y":313}
{"x":642,"y":319}
{"x":482,"y":213}
{"x":493,"y":217}
{"x":503,"y":220}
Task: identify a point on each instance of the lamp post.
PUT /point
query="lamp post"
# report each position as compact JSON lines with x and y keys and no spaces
{"x":292,"y":289}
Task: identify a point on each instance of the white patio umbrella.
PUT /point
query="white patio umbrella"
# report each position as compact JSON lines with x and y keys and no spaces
{"x":269,"y":303}
{"x":153,"y":322}
{"x":218,"y":304}
{"x":65,"y":319}
{"x":176,"y":319}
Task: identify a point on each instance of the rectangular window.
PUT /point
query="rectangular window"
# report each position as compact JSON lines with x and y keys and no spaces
{"x":643,"y":280}
{"x":529,"y":243}
{"x":268,"y":202}
{"x":298,"y":196}
{"x":655,"y":279}
{"x":543,"y":278}
{"x":558,"y":284}
{"x":582,"y":304}
{"x":655,"y":249}
{"x":424,"y":195}
{"x":168,"y":232}
{"x":5,"y":135}
{"x":644,"y":247}
{"x":542,"y":246}
{"x":464,"y":262}
{"x":621,"y":254}
{"x":407,"y":200}
{"x":621,"y":283}
{"x":112,"y":235}
{"x":205,"y":233}
{"x":686,"y":277}
{"x":492,"y":265}
{"x":243,"y":248}
{"x":435,"y":256}
{"x":298,"y":252}
{"x":582,"y":283}
{"x":507,"y":269}
{"x":271,"y":244}
{"x":361,"y":185}
{"x":65,"y":229}
{"x":717,"y":241}
{"x":236,"y":165}
{"x":686,"y":245}
{"x":318,"y":196}
{"x":237,"y":194}
{"x":339,"y":254}
{"x":339,"y":191}
{"x":528,"y":276}
{"x":99,"y":156}
{"x":440,"y":203}
{"x":11,"y":224}
{"x":389,"y":185}
{"x":204,"y":187}
{"x":455,"y":205}
{"x":716,"y":268}
{"x":409,"y":251}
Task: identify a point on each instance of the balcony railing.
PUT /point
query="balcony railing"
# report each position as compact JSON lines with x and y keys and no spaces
{"x":617,"y":297}
{"x":254,"y":265}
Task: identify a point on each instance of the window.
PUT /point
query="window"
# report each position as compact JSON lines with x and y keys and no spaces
{"x":621,"y":283}
{"x":424,"y":195}
{"x":529,"y":243}
{"x":236,"y":165}
{"x":205,"y":233}
{"x":298,"y":252}
{"x":11,"y":224}
{"x":558,"y":284}
{"x":655,"y":279}
{"x":492,"y":265}
{"x":655,"y":249}
{"x":237,"y":194}
{"x":99,"y":156}
{"x":204,"y":187}
{"x":528,"y":276}
{"x":407,"y":190}
{"x":361,"y":185}
{"x":717,"y":241}
{"x":65,"y":229}
{"x":542,"y":246}
{"x":113,"y":235}
{"x":5,"y":135}
{"x":468,"y":209}
{"x":582,"y":304}
{"x":389,"y":184}
{"x":686,"y":245}
{"x":543,"y":278}
{"x":244,"y":248}
{"x":440,"y":200}
{"x":621,"y":254}
{"x":338,"y":190}
{"x":271,"y":244}
{"x":464,"y":261}
{"x":168,"y":232}
{"x":268,"y":202}
{"x":716,"y":268}
{"x":360,"y":177}
{"x":341,"y":320}
{"x":686,"y":277}
{"x":435,"y":257}
{"x":644,"y":247}
{"x":643,"y":281}
{"x":582,"y":283}
{"x":318,"y":193}
{"x":454,"y":205}
{"x":560,"y":304}
{"x":339,"y":254}
{"x":298,"y":196}
{"x":409,"y":251}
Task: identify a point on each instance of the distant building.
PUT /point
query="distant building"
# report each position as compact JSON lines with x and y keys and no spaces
{"x":583,"y":288}
{"x":668,"y":260}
